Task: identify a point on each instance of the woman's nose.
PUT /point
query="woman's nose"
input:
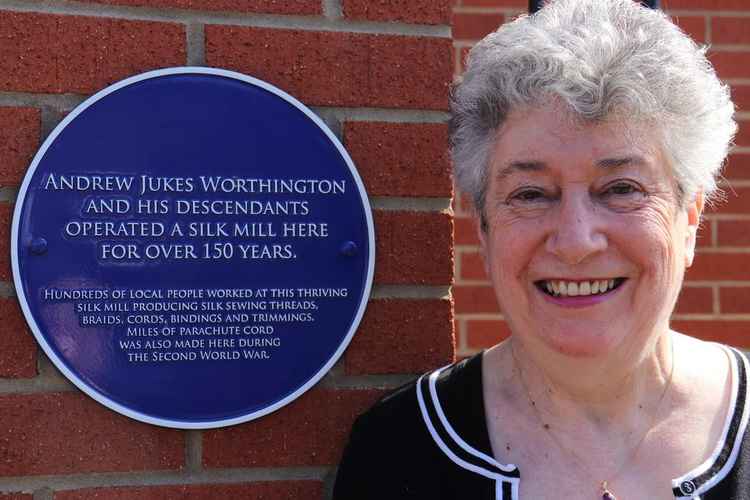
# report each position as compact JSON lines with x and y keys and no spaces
{"x":578,"y":230}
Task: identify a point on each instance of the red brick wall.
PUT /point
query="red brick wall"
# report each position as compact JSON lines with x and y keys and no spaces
{"x":715,"y":302}
{"x":378,"y":74}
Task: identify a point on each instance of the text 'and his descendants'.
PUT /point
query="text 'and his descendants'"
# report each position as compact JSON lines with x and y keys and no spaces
{"x":149,"y":218}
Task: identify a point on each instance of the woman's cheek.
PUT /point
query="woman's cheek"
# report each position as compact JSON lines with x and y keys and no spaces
{"x":656,"y":239}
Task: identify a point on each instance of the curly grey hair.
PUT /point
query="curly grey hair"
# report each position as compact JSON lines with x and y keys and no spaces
{"x":604,"y":59}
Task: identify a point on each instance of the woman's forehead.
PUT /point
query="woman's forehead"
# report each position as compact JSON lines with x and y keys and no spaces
{"x":540,"y":138}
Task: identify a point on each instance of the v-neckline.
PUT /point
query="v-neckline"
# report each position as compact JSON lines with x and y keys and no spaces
{"x":465,"y":434}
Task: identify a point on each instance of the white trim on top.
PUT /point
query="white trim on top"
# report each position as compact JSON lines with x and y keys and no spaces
{"x":454,"y":435}
{"x":444,"y":448}
{"x":60,"y":364}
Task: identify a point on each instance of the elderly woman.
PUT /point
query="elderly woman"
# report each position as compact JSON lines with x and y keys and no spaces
{"x":590,"y":135}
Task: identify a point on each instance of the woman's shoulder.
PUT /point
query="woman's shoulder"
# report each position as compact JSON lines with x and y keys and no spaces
{"x":403,"y":436}
{"x":706,"y":367}
{"x":456,"y":388}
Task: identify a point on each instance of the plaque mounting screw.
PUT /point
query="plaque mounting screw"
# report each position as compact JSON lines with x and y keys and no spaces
{"x":349,"y":248}
{"x":38,"y":246}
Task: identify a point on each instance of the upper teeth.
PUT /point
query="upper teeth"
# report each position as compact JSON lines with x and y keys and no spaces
{"x":574,"y":288}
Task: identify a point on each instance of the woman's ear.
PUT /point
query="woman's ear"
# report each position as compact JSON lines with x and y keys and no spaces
{"x":694,"y":211}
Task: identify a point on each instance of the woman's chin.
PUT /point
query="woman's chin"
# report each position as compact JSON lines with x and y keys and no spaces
{"x":580,"y":342}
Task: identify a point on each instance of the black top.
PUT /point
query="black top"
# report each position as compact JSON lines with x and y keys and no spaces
{"x":429,"y":440}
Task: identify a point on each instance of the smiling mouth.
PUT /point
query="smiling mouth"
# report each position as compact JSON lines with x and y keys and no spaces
{"x":564,"y":288}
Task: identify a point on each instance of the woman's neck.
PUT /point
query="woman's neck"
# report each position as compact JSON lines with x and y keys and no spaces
{"x":624,"y":388}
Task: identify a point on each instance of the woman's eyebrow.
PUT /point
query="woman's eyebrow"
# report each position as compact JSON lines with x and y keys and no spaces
{"x":622,"y":161}
{"x":516,"y":166}
{"x":521,"y":166}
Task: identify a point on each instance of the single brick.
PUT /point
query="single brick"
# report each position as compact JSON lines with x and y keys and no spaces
{"x":483,"y":334}
{"x":731,"y":64}
{"x":6,"y":217}
{"x":17,"y":346}
{"x":472,"y":267}
{"x":405,"y":11}
{"x":733,"y":233}
{"x":730,"y":30}
{"x":695,"y":26}
{"x":402,"y":336}
{"x":465,"y":231}
{"x":70,"y":433}
{"x":471,"y":26}
{"x":296,"y":7}
{"x":51,"y":53}
{"x":472,"y":299}
{"x":19,"y":139}
{"x":269,"y":490}
{"x":339,"y":69}
{"x":734,"y":300}
{"x":729,"y":332}
{"x":696,"y":300}
{"x":401,"y":159}
{"x":738,"y":166}
{"x":719,"y":266}
{"x":311,"y":431}
{"x":413,"y":248}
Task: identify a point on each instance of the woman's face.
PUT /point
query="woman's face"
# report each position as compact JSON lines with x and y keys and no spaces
{"x":586,"y":243}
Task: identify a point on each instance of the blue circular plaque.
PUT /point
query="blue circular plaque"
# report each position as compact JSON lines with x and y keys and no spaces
{"x":192,"y":247}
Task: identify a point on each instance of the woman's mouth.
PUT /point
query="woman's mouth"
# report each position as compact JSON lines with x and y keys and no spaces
{"x":566,"y":288}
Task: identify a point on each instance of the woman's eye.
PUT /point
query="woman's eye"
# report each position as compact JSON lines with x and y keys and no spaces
{"x":623,"y":196}
{"x":621,"y":189}
{"x":528,"y":195}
